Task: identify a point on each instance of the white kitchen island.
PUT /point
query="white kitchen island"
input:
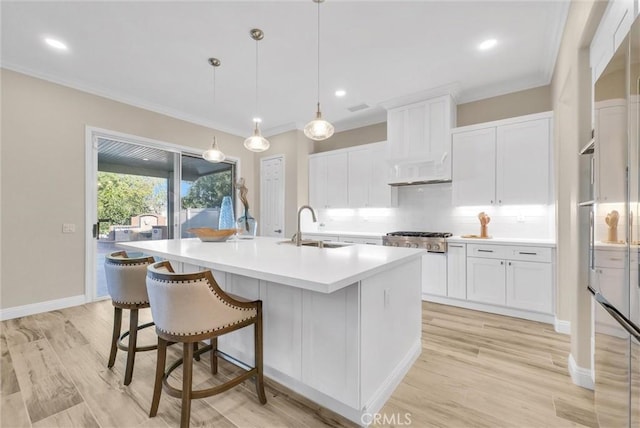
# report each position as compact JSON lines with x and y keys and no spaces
{"x":342,"y":326}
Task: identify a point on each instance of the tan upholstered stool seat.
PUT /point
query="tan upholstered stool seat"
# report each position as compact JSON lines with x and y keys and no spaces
{"x":127,"y":288}
{"x":189,"y":308}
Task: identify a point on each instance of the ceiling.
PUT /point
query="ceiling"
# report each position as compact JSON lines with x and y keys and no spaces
{"x":154,"y":54}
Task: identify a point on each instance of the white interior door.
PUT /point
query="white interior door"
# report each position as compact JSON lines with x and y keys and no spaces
{"x":272,"y":196}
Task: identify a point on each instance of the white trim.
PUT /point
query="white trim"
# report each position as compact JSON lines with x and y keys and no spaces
{"x":126,"y":99}
{"x":40,"y":307}
{"x":485,"y":307}
{"x":562,"y":326}
{"x":502,"y":122}
{"x":392,"y":381}
{"x":554,"y":49}
{"x":579,"y":375}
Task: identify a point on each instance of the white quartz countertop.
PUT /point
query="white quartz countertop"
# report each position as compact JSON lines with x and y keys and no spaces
{"x":505,"y":241}
{"x":323,"y":270}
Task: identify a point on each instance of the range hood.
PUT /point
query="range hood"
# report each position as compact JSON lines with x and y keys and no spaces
{"x":416,"y":183}
{"x":415,"y":172}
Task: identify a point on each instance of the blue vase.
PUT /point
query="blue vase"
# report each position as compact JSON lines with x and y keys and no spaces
{"x":226,"y":218}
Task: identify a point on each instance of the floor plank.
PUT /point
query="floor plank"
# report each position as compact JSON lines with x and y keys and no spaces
{"x":476,"y":370}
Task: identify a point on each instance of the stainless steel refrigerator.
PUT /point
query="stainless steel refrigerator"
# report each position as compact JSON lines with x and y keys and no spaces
{"x":615,"y":237}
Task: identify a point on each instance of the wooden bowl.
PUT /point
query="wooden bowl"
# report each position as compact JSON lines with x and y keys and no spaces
{"x":206,"y":234}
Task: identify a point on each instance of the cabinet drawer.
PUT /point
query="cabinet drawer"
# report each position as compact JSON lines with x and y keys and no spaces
{"x":367,"y":241}
{"x":530,"y":254}
{"x":610,"y":259}
{"x":487,"y":251}
{"x":325,"y":238}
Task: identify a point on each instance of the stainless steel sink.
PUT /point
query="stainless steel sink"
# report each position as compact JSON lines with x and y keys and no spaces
{"x":318,"y":244}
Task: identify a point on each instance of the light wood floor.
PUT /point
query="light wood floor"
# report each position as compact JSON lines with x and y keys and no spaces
{"x":476,"y":370}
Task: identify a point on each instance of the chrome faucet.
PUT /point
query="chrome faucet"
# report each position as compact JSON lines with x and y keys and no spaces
{"x":298,"y":235}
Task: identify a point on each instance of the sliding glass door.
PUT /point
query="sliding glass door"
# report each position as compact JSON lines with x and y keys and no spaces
{"x":145,"y":191}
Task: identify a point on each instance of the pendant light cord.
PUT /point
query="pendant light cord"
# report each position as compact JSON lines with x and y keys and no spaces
{"x":256,"y":113}
{"x":318,"y":56}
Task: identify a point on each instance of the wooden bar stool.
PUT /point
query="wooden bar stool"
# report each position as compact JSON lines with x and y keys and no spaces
{"x":188,"y":308}
{"x":128,"y":290}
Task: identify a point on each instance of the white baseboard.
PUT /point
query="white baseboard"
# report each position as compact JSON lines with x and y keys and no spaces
{"x":494,"y":309}
{"x":562,"y":326}
{"x":37,"y":308}
{"x":579,"y":375}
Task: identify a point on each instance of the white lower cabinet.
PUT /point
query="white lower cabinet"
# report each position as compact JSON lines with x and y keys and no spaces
{"x":529,"y":286}
{"x":514,"y":280}
{"x":434,"y":278}
{"x":486,"y":280}
{"x":457,"y":271}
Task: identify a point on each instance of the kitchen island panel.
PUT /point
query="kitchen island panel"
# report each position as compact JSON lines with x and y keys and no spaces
{"x":282,"y":326}
{"x":330,"y":343}
{"x":391,"y":321}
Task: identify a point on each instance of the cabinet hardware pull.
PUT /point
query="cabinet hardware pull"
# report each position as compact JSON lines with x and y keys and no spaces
{"x":615,"y":258}
{"x":528,"y":254}
{"x":509,"y":263}
{"x":501,"y":263}
{"x":456,"y":246}
{"x":485,"y":251}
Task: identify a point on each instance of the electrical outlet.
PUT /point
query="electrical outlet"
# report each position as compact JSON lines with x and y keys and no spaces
{"x":520,"y":218}
{"x":68,"y":228}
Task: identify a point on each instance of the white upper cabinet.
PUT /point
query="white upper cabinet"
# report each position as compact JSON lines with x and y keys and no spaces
{"x":327,"y":180}
{"x":474,"y":167}
{"x":610,"y":150}
{"x":419,"y":142}
{"x":505,"y":162}
{"x":522,"y":163}
{"x":359,"y":167}
{"x":354,"y":177}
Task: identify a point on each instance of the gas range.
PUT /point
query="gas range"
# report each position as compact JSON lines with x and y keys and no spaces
{"x":433,"y":242}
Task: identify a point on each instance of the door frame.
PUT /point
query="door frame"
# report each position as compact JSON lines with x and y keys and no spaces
{"x":92,"y":134}
{"x":282,"y":190}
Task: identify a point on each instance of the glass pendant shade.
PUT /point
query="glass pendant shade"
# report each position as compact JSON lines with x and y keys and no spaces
{"x":318,"y":129}
{"x":256,"y":143}
{"x":214,"y":154}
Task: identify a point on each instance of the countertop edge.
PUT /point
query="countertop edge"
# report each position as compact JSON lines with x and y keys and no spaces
{"x":505,"y":241}
{"x":304,"y":284}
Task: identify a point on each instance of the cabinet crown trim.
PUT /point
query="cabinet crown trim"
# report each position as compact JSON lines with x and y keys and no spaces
{"x":502,"y":122}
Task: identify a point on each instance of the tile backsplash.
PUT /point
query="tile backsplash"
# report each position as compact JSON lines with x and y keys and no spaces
{"x":429,"y":208}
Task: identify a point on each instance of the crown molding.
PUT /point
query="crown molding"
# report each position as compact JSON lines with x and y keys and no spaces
{"x":126,"y":100}
{"x":452,"y":89}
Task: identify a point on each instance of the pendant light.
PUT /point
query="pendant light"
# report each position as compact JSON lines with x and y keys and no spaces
{"x":256,"y":142}
{"x":214,"y":154}
{"x":318,"y":129}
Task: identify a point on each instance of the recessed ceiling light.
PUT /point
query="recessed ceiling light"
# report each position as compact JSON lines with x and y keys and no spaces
{"x":54,"y":43}
{"x":487,"y":44}
{"x":341,"y":93}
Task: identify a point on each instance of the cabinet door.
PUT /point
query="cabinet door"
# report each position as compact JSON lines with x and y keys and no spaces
{"x":318,"y":181}
{"x":434,"y":274}
{"x":379,"y":190}
{"x":337,"y":180}
{"x":486,"y":280}
{"x":611,"y":153}
{"x":474,"y":167}
{"x":530,"y":286}
{"x":522,"y":163}
{"x":396,"y":133}
{"x":457,"y":271}
{"x":438,"y":124}
{"x":359,"y":170}
{"x":417,"y":131}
